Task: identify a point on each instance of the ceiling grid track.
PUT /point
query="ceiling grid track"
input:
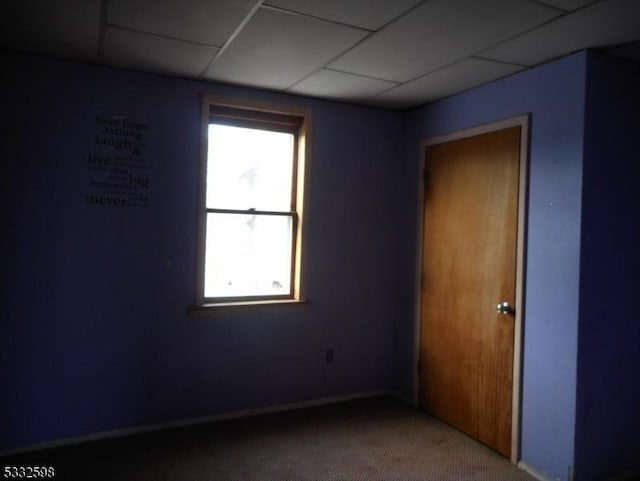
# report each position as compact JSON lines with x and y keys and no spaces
{"x":286,"y":11}
{"x":233,"y":35}
{"x":478,"y":54}
{"x":362,"y":40}
{"x":391,"y":55}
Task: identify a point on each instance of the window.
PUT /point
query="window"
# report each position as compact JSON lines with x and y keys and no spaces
{"x":251,"y":203}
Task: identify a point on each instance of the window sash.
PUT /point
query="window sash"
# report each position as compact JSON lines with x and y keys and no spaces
{"x":293,"y":246}
{"x":293,"y":129}
{"x":294,"y":123}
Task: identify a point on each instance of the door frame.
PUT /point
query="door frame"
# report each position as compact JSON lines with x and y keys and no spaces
{"x":522,"y":121}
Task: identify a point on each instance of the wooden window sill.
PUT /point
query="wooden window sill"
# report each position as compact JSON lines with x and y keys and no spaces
{"x":209,"y":309}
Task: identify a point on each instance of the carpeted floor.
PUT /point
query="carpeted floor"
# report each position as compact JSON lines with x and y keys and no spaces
{"x":378,"y":439}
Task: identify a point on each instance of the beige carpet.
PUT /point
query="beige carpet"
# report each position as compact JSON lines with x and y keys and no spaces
{"x":380,"y":439}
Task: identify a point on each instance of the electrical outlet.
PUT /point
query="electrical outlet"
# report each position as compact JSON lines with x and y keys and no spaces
{"x":329,"y":356}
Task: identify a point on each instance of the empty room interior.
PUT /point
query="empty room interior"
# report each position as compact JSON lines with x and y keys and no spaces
{"x":248,"y":216}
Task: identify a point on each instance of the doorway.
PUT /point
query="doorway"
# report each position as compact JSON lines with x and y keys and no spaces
{"x":470,"y":287}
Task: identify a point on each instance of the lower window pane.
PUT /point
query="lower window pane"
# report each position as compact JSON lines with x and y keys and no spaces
{"x":247,"y":255}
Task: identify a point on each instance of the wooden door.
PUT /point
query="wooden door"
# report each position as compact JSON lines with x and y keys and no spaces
{"x":468,"y":267}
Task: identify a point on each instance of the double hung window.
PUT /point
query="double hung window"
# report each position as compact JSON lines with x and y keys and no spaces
{"x":251,"y":212}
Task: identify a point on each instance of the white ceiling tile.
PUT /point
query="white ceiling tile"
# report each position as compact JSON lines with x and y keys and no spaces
{"x":297,"y":44}
{"x":207,"y":22}
{"x":604,"y":23}
{"x":68,"y":28}
{"x":139,"y":51}
{"x":275,"y":49}
{"x":449,"y":80}
{"x":369,"y":14}
{"x":438,"y":33}
{"x":568,"y":5}
{"x":340,"y":85}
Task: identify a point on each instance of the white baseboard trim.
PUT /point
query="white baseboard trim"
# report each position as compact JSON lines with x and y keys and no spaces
{"x":243,"y":413}
{"x":529,"y":470}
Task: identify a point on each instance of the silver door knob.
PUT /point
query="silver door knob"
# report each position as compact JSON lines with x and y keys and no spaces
{"x":504,"y":308}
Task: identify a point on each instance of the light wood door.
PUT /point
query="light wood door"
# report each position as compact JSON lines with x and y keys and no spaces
{"x":468,"y":267}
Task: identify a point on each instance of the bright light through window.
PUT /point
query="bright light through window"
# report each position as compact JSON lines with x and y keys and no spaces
{"x":247,"y":255}
{"x":249,"y":168}
{"x":250,"y":216}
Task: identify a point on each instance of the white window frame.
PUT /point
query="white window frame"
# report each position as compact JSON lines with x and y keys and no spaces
{"x":265,"y":113}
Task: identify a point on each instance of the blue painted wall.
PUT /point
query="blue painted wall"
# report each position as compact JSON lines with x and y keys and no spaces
{"x":94,"y":328}
{"x":554,"y":94}
{"x":608,"y":395}
{"x":94,"y":333}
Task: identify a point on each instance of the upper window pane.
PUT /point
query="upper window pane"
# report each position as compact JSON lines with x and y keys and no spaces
{"x":249,"y":168}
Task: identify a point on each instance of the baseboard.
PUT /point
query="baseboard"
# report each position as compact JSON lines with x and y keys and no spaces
{"x":243,"y":413}
{"x":529,"y":470}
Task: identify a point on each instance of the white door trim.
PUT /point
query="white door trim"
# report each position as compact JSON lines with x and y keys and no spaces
{"x":523,"y":122}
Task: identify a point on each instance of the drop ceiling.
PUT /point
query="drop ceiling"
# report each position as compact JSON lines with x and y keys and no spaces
{"x":396,"y":54}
